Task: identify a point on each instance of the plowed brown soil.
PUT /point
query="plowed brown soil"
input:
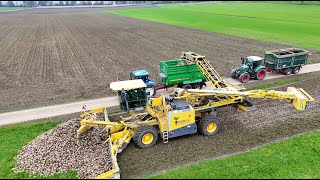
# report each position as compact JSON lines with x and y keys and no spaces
{"x":51,"y":56}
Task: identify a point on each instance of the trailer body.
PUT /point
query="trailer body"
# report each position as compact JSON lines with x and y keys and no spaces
{"x":176,"y":72}
{"x":288,"y":60}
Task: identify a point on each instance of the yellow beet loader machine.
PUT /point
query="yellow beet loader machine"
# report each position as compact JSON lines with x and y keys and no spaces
{"x":183,"y":112}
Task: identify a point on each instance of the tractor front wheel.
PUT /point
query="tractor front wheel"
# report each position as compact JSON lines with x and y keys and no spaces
{"x":244,"y":77}
{"x":261,"y":74}
{"x":145,"y":136}
{"x":209,"y":125}
{"x":233,"y":73}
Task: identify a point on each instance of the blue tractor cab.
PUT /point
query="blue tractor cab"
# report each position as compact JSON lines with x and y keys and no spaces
{"x":144,"y":75}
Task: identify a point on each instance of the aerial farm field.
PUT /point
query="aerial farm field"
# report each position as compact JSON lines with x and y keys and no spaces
{"x":53,"y":56}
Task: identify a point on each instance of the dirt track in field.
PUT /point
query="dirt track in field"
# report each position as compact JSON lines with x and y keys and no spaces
{"x":62,"y":55}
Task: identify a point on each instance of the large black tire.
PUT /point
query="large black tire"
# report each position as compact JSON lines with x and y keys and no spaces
{"x":261,"y":74}
{"x":197,"y":85}
{"x":140,"y":135}
{"x":244,"y":77}
{"x":209,"y":125}
{"x":295,"y":70}
{"x":152,"y":89}
{"x":287,"y":71}
{"x":233,"y":73}
{"x":187,"y":86}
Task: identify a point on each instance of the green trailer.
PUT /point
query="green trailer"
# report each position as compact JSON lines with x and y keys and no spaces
{"x":287,"y":61}
{"x":178,"y":72}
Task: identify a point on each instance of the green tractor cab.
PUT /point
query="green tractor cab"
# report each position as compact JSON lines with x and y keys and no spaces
{"x":132,"y":94}
{"x":252,"y":68}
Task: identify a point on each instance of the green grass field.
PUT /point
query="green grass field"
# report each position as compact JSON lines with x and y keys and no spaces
{"x":13,"y":138}
{"x":285,"y":23}
{"x":6,"y":9}
{"x":294,"y":158}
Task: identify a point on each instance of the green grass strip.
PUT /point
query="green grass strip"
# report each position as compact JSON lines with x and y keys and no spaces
{"x":286,"y":23}
{"x":8,"y":9}
{"x":296,"y":157}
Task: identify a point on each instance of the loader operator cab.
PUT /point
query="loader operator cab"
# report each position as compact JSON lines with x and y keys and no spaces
{"x":144,"y":75}
{"x":132,"y":94}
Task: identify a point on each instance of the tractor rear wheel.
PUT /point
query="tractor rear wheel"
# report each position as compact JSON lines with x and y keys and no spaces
{"x":233,"y":73}
{"x":145,"y":136}
{"x":244,"y":77}
{"x":261,"y":74}
{"x":295,"y":70}
{"x":197,"y":85}
{"x":209,"y":125}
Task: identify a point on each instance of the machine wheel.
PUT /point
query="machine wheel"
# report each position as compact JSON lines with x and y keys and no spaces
{"x":197,"y":85}
{"x":152,"y":89}
{"x":295,"y":70}
{"x":187,"y":86}
{"x":244,"y":77}
{"x":261,"y":74}
{"x":209,"y":125}
{"x":233,"y":73}
{"x":145,"y":136}
{"x":287,"y":71}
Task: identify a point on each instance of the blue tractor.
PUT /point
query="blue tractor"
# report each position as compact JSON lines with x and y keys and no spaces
{"x":144,"y":75}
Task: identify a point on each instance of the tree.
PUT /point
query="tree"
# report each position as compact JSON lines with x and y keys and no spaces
{"x":67,"y":3}
{"x":89,"y":3}
{"x":50,"y":3}
{"x":42,"y":3}
{"x":10,"y":4}
{"x":73,"y":3}
{"x":61,"y":3}
{"x":29,"y":3}
{"x":1,"y":4}
{"x":83,"y":2}
{"x":98,"y":3}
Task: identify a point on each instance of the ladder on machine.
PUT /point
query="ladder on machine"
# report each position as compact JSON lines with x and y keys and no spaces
{"x":205,"y":67}
{"x":164,"y":128}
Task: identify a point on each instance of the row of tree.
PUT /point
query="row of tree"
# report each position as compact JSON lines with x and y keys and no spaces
{"x":74,"y":3}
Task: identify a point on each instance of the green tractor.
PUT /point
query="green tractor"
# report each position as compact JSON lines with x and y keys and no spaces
{"x":252,"y":67}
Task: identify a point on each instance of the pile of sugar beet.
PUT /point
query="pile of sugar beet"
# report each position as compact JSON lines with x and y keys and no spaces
{"x":59,"y":150}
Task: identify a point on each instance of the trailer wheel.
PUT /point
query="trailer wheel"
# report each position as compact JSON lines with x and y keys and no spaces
{"x":287,"y":71}
{"x":261,"y":74}
{"x":244,"y":77}
{"x":209,"y":125}
{"x":187,"y":86}
{"x":145,"y":136}
{"x":197,"y":85}
{"x":295,"y":70}
{"x":233,"y":73}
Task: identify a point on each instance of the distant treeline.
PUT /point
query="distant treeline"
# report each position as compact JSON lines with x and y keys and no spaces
{"x":75,"y":3}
